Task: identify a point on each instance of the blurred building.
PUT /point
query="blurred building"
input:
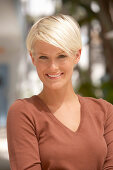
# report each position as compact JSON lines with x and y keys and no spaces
{"x":17,"y":74}
{"x":12,"y":65}
{"x":12,"y":54}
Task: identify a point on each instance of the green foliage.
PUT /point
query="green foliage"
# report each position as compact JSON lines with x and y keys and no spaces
{"x":87,"y":88}
{"x":107,"y":88}
{"x":82,"y":11}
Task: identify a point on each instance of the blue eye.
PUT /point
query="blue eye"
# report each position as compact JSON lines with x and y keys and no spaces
{"x":42,"y":57}
{"x":62,"y":56}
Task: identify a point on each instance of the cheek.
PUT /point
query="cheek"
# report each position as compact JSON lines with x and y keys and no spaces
{"x":69,"y":67}
{"x":40,"y":67}
{"x":41,"y":70}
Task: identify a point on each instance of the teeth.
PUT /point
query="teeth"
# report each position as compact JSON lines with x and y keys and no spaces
{"x":54,"y":75}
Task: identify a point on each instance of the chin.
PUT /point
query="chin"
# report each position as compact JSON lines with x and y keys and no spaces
{"x":57,"y":86}
{"x":54,"y":86}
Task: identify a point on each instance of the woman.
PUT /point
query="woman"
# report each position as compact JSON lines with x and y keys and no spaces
{"x":59,"y":129}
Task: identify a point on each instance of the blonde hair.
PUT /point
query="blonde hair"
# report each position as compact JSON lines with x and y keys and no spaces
{"x":59,"y":30}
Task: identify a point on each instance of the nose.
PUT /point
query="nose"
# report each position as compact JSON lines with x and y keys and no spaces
{"x":53,"y":65}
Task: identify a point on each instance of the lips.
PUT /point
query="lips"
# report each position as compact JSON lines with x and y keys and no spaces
{"x":54,"y":76}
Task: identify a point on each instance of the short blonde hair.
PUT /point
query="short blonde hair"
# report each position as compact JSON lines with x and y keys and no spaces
{"x":59,"y":30}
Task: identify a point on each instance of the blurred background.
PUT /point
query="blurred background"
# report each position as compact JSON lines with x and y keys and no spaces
{"x":93,"y":76}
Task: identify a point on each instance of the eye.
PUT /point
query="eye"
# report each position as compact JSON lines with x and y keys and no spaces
{"x":62,"y":56}
{"x":43,"y":57}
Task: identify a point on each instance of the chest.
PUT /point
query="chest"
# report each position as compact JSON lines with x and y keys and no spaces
{"x":61,"y":148}
{"x":69,"y":116}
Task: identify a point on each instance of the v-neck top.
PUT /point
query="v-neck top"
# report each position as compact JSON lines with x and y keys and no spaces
{"x":37,"y":140}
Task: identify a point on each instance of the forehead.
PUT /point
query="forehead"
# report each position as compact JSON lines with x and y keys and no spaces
{"x":44,"y":47}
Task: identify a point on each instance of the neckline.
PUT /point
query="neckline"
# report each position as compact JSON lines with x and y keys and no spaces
{"x":59,"y":122}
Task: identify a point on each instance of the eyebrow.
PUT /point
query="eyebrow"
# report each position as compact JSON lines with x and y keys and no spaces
{"x":62,"y":52}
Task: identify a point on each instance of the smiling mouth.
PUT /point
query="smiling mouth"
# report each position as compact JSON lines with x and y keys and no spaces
{"x":56,"y":76}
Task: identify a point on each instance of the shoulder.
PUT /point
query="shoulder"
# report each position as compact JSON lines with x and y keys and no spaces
{"x":21,"y":118}
{"x":98,"y":105}
{"x":16,"y":107}
{"x":21,"y":108}
{"x":94,"y":102}
{"x":23,"y":103}
{"x":19,"y":104}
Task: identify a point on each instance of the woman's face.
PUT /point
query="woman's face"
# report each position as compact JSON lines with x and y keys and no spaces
{"x":54,"y":67}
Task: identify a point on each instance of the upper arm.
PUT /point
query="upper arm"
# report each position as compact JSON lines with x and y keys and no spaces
{"x":108,"y":134}
{"x":22,"y":141}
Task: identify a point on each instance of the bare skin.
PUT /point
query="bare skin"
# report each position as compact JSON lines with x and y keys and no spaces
{"x":64,"y":105}
{"x":58,"y":94}
{"x":67,"y":113}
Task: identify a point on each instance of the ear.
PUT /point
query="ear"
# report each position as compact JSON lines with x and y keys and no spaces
{"x":32,"y":58}
{"x":77,"y":56}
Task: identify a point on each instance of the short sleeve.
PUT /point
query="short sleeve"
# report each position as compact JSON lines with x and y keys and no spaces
{"x":108,"y":134}
{"x":22,"y":141}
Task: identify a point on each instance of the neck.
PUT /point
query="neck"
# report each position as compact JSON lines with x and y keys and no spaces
{"x":59,"y":96}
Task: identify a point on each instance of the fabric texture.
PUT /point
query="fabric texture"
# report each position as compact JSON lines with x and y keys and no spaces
{"x":37,"y":140}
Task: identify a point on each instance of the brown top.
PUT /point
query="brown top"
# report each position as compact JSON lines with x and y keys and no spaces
{"x":37,"y":140}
